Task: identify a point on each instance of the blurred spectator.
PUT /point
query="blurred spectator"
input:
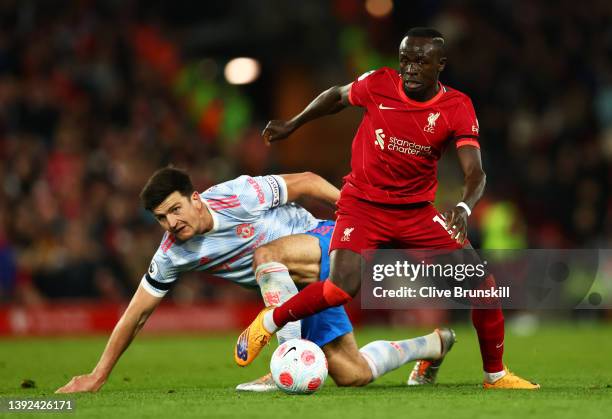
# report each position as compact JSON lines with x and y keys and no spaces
{"x":94,"y":96}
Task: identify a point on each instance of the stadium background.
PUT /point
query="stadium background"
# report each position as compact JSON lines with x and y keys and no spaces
{"x":96,"y":95}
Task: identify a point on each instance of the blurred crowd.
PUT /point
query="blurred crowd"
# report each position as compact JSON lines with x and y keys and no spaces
{"x":95,"y":96}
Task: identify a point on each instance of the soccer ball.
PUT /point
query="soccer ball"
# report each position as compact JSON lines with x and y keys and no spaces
{"x":298,"y":366}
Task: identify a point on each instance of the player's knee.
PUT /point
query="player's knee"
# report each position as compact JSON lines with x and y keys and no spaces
{"x":347,"y":281}
{"x":264,"y":254}
{"x":346,"y":271}
{"x":358,"y":380}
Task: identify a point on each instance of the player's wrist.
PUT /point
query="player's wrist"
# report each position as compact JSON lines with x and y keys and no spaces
{"x":99,"y":376}
{"x":293,"y":124}
{"x":465,"y":207}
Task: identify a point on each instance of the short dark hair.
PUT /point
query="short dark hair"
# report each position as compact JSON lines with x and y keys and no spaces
{"x":422,"y":32}
{"x":163,"y":183}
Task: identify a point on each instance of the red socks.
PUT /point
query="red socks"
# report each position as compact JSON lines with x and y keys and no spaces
{"x":489,"y":324}
{"x":314,"y":298}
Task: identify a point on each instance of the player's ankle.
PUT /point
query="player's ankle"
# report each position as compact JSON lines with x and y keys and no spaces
{"x":268,"y":322}
{"x":491,"y":377}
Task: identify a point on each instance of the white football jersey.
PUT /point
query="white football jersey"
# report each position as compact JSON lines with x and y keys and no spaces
{"x":247,"y":212}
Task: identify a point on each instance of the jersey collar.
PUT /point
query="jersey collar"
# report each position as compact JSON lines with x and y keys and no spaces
{"x":418,"y":104}
{"x":213,"y":214}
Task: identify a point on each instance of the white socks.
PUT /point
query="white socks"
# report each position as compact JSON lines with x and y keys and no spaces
{"x":491,"y":377}
{"x":277,"y":287}
{"x":269,"y":325}
{"x":384,"y":356}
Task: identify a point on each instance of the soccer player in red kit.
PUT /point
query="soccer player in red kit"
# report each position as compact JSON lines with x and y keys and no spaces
{"x":410,"y":118}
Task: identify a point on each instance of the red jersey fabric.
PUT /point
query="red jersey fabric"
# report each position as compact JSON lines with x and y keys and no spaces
{"x":396,"y":149}
{"x":365,"y":225}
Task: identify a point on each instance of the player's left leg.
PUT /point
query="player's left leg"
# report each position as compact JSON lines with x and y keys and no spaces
{"x":424,"y":228}
{"x":332,"y":330}
{"x":350,"y":366}
{"x":347,"y":367}
{"x":353,"y":367}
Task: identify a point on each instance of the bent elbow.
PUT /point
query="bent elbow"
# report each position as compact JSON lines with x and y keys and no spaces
{"x":477,"y":175}
{"x":337,"y":96}
{"x":310,"y":177}
{"x":307,"y":180}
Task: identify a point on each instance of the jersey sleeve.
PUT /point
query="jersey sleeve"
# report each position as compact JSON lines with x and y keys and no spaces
{"x":161,"y":274}
{"x":358,"y":92}
{"x":465,"y":125}
{"x":246,"y":197}
{"x":261,"y":193}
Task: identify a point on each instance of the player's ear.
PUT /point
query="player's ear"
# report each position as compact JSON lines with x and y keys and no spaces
{"x":441,"y":64}
{"x":195,"y":200}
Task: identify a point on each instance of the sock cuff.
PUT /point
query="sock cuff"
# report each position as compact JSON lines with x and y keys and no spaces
{"x":268,"y":322}
{"x":371,"y":364}
{"x":269,"y":267}
{"x":334,"y":295}
{"x":491,"y":377}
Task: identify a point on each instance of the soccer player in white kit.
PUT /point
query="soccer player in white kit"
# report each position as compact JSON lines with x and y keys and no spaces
{"x":232,"y":230}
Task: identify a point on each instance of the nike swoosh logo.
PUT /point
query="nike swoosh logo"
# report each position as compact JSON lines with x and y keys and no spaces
{"x":291,"y":349}
{"x":381,"y":106}
{"x":292,"y":315}
{"x":500,"y":345}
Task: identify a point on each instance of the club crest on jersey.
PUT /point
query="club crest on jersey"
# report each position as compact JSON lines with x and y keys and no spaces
{"x":431,"y":122}
{"x":347,"y":234}
{"x":245,"y":231}
{"x":380,"y":138}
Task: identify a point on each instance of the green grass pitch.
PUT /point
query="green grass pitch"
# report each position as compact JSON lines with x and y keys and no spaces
{"x":194,"y":376}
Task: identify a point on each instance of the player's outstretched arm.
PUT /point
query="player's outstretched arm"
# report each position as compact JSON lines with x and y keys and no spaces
{"x":311,"y":185}
{"x":132,"y":320}
{"x":473,"y":188}
{"x":329,"y":102}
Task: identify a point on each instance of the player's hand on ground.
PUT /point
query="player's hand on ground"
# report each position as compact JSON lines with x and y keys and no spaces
{"x":82,"y":383}
{"x":276,"y":130}
{"x":456,"y":222}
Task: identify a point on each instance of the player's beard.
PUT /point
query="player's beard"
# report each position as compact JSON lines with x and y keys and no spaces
{"x":184,"y":233}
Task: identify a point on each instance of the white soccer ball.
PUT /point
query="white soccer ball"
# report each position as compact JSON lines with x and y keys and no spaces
{"x":298,"y":366}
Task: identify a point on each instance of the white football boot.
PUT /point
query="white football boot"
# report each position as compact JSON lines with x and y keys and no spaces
{"x":261,"y":385}
{"x":425,"y":371}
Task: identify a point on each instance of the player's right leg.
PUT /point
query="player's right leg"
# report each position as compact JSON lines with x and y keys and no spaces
{"x":354,"y":231}
{"x":299,"y":253}
{"x":277,"y":265}
{"x":356,"y":228}
{"x":313,"y":299}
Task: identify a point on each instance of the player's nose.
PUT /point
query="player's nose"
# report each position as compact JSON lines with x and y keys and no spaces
{"x":171,"y":220}
{"x":411,"y":69}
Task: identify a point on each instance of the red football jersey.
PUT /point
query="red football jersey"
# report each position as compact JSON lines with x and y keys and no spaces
{"x":396,"y":149}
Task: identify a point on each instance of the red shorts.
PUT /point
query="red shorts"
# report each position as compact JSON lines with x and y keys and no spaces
{"x":362,"y":225}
